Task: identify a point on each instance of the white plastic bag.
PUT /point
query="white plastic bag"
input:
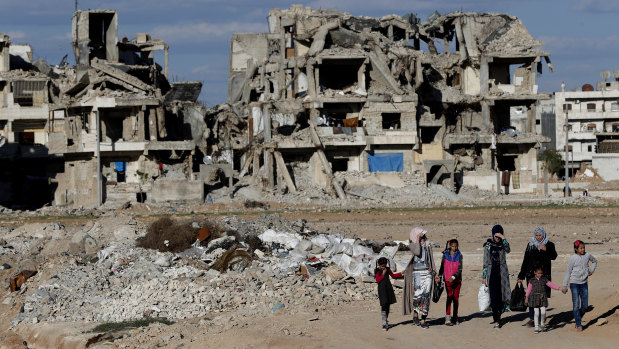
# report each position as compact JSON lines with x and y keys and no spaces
{"x":372,"y":264}
{"x":350,"y":265}
{"x":483,"y":298}
{"x":338,"y":249}
{"x":362,"y":251}
{"x":290,"y":241}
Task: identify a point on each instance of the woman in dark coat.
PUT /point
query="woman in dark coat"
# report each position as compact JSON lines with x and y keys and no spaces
{"x":496,"y":274}
{"x":539,"y":253}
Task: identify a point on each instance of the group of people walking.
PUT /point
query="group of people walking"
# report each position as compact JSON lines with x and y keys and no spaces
{"x":421,"y":276}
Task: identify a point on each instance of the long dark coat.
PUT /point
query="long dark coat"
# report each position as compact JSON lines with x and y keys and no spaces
{"x":505,"y":291}
{"x":386,"y":295}
{"x":534,"y":257}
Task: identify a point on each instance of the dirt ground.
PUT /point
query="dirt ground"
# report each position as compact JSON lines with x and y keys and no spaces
{"x":358,"y":324}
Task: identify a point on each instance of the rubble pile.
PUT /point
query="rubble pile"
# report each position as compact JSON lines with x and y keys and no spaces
{"x":124,"y":282}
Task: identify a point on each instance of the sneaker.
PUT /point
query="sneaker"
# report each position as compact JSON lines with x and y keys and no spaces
{"x":385,"y":327}
{"x":578,"y":328}
{"x":542,"y":328}
{"x":536,"y":330}
{"x":497,"y":325}
{"x":448,"y":320}
{"x":416,"y":321}
{"x":455,"y":320}
{"x":424,"y":325}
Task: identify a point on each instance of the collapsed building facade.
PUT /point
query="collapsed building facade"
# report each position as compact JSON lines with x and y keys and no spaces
{"x":453,"y":98}
{"x":105,"y":128}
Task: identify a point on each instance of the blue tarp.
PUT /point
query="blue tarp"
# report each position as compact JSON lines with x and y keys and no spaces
{"x":392,"y":162}
{"x":120,"y":166}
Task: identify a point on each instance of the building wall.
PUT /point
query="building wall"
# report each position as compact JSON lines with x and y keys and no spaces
{"x":372,"y":113}
{"x":588,"y":109}
{"x":607,"y":166}
{"x":77,"y":186}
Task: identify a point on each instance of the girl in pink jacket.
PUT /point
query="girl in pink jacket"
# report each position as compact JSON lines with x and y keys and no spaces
{"x":451,"y":271}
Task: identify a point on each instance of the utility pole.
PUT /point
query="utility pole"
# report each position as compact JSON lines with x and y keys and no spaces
{"x":99,"y":186}
{"x":567,"y":158}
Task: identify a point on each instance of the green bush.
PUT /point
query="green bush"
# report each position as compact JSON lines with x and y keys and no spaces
{"x":143,"y":322}
{"x":179,"y":236}
{"x":553,"y":161}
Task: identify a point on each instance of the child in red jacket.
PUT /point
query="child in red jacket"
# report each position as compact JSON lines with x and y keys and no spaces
{"x":451,"y":270}
{"x":386,"y":295}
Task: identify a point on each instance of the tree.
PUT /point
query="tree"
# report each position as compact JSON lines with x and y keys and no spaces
{"x":553,"y":161}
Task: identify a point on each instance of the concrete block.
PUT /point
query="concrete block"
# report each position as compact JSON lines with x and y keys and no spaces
{"x":82,"y":243}
{"x":142,"y":38}
{"x":165,"y":189}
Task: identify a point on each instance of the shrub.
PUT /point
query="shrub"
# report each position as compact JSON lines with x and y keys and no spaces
{"x":179,"y":236}
{"x":143,"y":322}
{"x":553,"y":161}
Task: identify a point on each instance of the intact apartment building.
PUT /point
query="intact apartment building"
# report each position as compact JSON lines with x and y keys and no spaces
{"x":593,"y":127}
{"x":453,"y":98}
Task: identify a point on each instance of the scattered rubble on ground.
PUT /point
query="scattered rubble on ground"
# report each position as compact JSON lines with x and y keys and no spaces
{"x":125,"y":282}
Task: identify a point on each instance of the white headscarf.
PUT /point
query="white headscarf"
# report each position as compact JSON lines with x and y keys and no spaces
{"x":416,"y":233}
{"x":534,"y":242}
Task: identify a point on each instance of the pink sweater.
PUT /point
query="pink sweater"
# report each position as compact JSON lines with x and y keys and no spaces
{"x":549,"y":284}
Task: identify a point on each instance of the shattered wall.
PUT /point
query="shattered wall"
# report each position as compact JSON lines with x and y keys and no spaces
{"x":116,"y":108}
{"x":470,"y":87}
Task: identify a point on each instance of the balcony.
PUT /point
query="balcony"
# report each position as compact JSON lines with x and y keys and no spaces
{"x":590,"y":115}
{"x":582,"y":135}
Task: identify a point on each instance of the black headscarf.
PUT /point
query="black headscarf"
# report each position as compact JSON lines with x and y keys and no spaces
{"x":497,"y":229}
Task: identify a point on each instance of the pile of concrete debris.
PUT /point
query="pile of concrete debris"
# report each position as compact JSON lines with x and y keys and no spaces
{"x":105,"y":277}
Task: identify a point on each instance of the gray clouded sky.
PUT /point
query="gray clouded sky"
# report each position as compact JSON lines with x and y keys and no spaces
{"x":581,"y":36}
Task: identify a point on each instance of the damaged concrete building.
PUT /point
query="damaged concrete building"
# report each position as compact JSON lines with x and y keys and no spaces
{"x":321,"y":96}
{"x":26,"y":93}
{"x":113,"y":123}
{"x":452,"y":98}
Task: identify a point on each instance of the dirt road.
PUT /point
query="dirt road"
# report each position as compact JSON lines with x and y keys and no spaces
{"x":358,"y":324}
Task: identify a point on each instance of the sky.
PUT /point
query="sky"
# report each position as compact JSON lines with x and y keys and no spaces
{"x":581,"y":36}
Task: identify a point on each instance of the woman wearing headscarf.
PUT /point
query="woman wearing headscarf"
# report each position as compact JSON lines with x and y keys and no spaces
{"x":539,"y":253}
{"x":418,"y":277}
{"x":496,"y":275}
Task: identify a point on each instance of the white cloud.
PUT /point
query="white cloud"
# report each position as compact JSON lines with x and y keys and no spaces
{"x":206,"y":32}
{"x":208,"y":69}
{"x":557,"y":45}
{"x":17,"y":35}
{"x":596,"y":6}
{"x":383,"y":7}
{"x":64,"y":37}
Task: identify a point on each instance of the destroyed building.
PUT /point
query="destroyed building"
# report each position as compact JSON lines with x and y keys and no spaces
{"x":452,"y":98}
{"x":321,"y":96}
{"x":113,"y":123}
{"x":26,"y":93}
